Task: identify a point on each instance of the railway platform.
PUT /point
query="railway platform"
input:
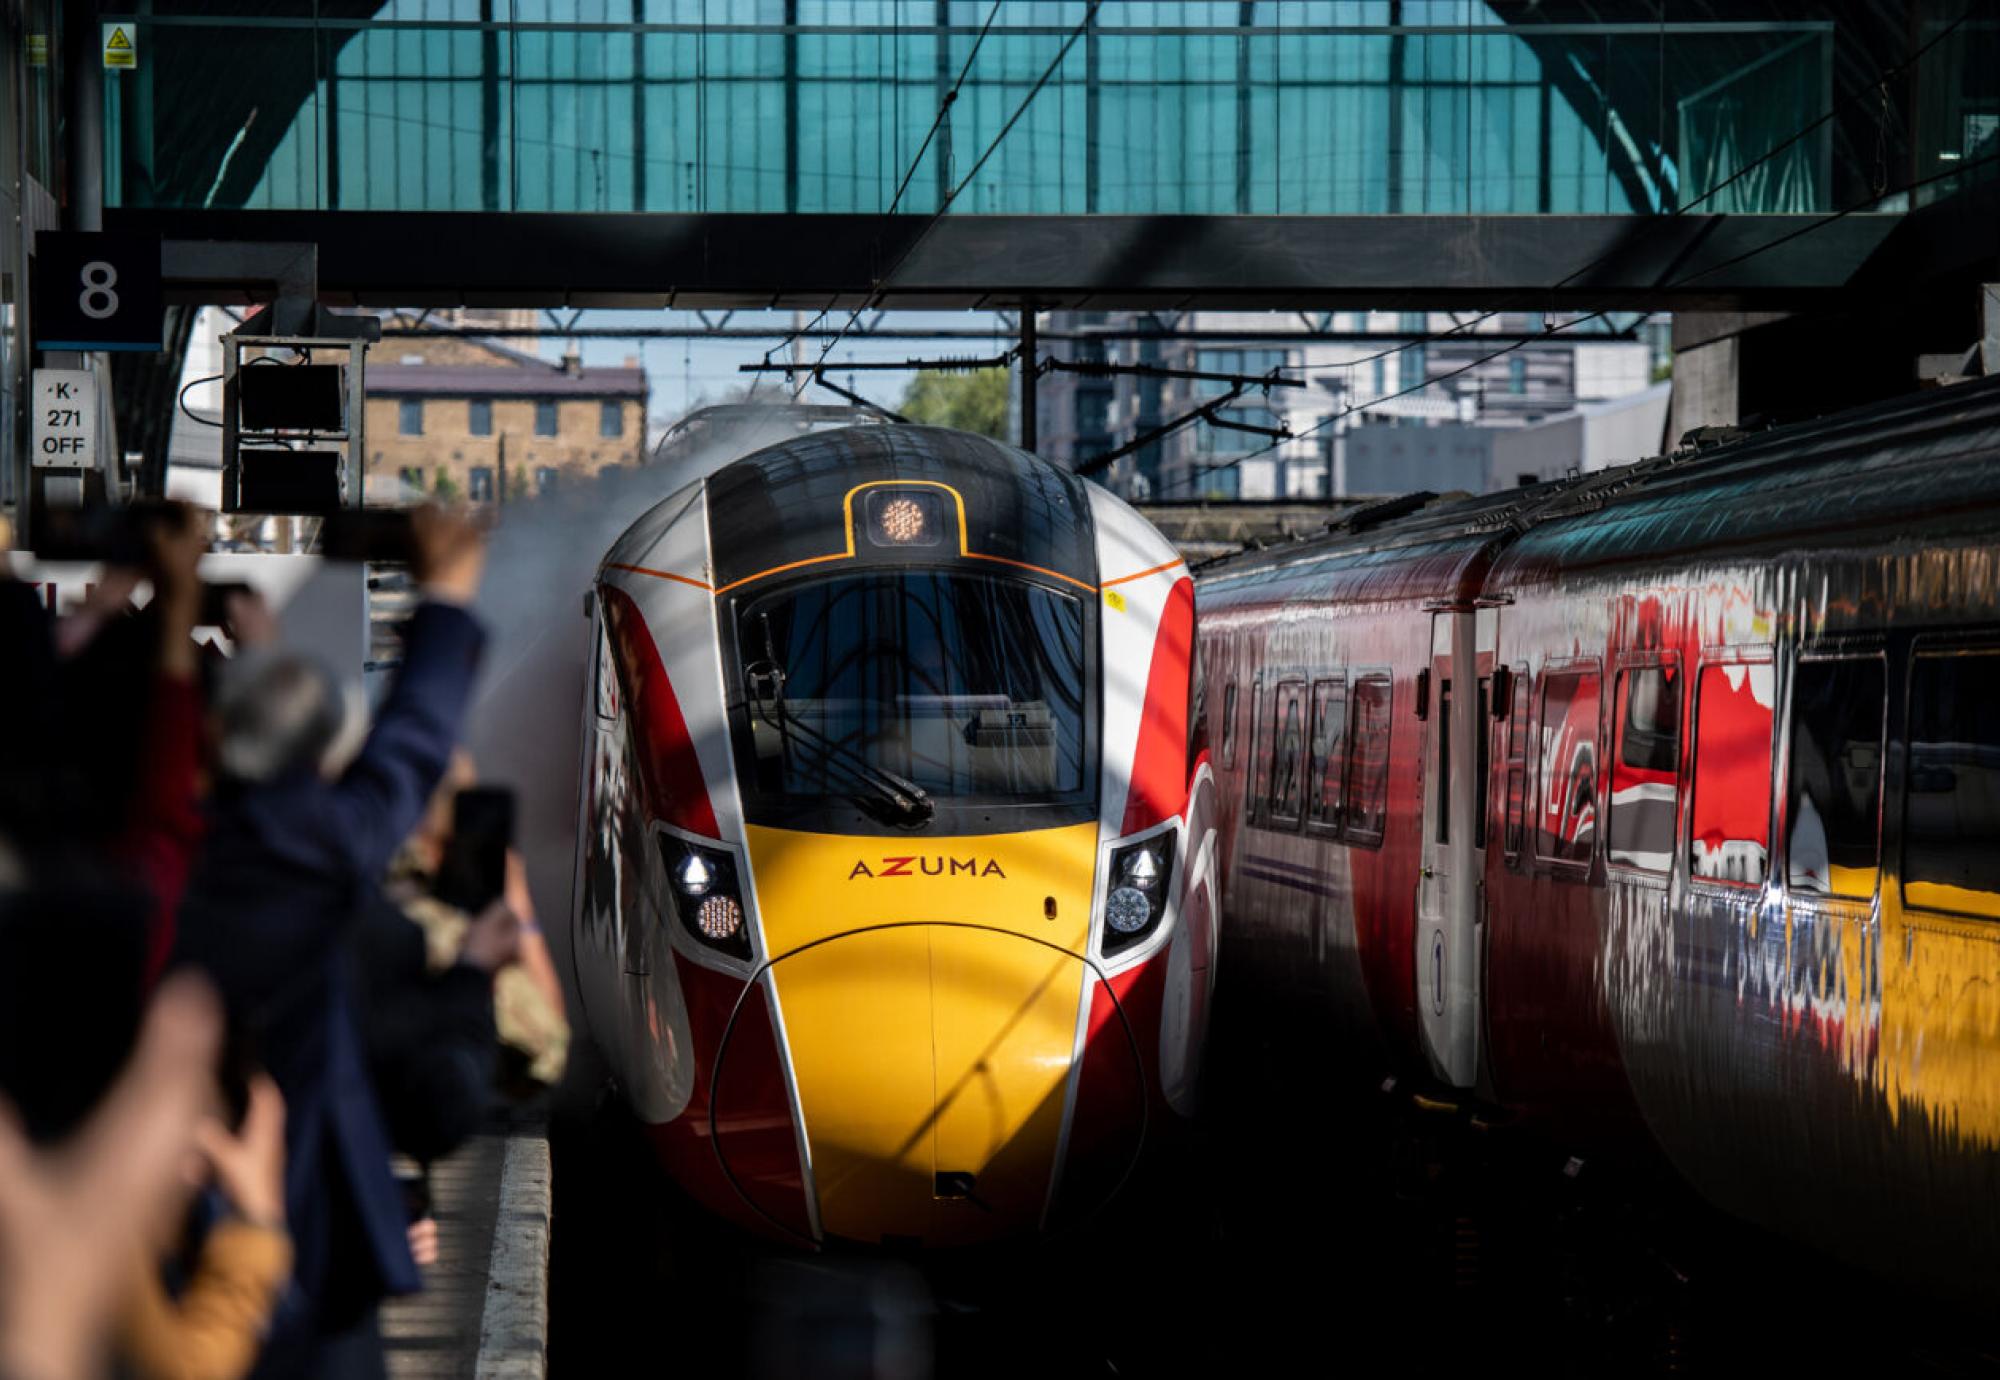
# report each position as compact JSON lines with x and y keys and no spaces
{"x":483,"y":1314}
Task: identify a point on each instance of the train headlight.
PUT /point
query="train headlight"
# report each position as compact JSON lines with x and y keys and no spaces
{"x":1138,"y":880}
{"x":706,"y":894}
{"x":694,"y":876}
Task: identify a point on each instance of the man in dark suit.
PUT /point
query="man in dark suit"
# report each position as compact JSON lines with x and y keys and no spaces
{"x":301,"y":829}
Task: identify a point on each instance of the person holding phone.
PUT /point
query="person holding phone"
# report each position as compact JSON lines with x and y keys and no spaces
{"x":309,"y":807}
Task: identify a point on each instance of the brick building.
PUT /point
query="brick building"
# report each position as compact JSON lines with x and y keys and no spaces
{"x":469,"y":409}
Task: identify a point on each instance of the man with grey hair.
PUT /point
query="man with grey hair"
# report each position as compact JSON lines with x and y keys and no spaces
{"x":308,"y":808}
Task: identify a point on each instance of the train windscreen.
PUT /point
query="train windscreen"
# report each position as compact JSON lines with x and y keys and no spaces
{"x":967,"y":687}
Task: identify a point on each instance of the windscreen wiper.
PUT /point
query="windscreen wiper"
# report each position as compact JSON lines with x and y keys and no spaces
{"x":910,"y":802}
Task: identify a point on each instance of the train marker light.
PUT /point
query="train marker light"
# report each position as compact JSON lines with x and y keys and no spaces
{"x":1138,"y":878}
{"x":694,"y":876}
{"x":1127,"y":910}
{"x":903,"y":518}
{"x":720,"y":917}
{"x":705,"y":894}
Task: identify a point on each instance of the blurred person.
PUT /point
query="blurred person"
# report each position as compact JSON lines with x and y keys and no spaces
{"x":432,"y":1050}
{"x":163,"y":823}
{"x":529,"y":1015}
{"x":74,"y":1213}
{"x":309,"y":806}
{"x":528,"y":1000}
{"x":213,"y":1328}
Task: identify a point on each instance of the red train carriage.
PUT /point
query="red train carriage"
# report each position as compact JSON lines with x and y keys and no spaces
{"x":1664,"y":800}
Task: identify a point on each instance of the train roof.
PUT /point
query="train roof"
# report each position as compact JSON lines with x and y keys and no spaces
{"x":790,"y":503}
{"x":1926,"y":462}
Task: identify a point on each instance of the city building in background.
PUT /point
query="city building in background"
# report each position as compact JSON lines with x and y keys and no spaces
{"x":1376,"y":415}
{"x":451,"y":417}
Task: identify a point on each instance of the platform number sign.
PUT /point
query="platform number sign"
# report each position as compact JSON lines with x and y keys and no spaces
{"x":96,"y":291}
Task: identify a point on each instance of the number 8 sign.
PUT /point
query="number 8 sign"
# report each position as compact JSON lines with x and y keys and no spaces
{"x":97,"y":301}
{"x":95,"y":291}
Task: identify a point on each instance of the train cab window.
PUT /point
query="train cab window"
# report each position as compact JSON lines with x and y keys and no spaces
{"x":1515,"y":798}
{"x":1645,"y":770}
{"x":972,"y":687}
{"x":1288,"y":762}
{"x":1366,"y":796}
{"x":1730,"y":834}
{"x":1566,"y":786}
{"x":1951,"y":808}
{"x":1833,"y":796}
{"x":1329,"y":757}
{"x":1229,"y":724}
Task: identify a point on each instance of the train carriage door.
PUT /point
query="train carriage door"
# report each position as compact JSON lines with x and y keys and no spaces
{"x":1448,"y":891}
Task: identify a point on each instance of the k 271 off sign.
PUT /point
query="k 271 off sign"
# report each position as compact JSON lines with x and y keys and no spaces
{"x":63,"y":430}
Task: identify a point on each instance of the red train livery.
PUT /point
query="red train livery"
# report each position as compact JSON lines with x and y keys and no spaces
{"x":1658,"y":801}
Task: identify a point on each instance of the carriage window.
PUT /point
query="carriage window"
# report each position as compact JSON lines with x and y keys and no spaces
{"x":1834,"y":790}
{"x":1517,"y":764}
{"x":1480,"y":773}
{"x":1730,"y":836}
{"x":1197,"y":710}
{"x":1329,"y":737}
{"x":1367,"y":794}
{"x":1951,"y":818}
{"x":1566,"y":794}
{"x":1288,"y":766}
{"x":1263,"y":741}
{"x":1444,"y":764}
{"x":1229,"y":725}
{"x":1645,"y":772}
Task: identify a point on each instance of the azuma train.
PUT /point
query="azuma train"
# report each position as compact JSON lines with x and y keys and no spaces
{"x":895,"y":897}
{"x":1659,"y":802}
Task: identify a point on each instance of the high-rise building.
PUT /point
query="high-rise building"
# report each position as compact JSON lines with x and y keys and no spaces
{"x":1439,"y":379}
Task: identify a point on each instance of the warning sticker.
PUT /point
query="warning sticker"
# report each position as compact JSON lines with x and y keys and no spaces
{"x":38,"y":50}
{"x":121,"y":50}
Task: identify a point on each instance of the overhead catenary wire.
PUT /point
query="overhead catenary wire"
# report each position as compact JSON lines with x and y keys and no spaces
{"x":944,"y":205}
{"x":895,"y":202}
{"x":1958,"y":170}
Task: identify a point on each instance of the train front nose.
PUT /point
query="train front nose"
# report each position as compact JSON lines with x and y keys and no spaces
{"x":932,"y":1062}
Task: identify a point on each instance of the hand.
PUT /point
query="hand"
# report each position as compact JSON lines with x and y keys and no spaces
{"x":250,"y":1165}
{"x":175,"y":546}
{"x":424,"y":1241}
{"x":450,"y":553}
{"x":493,"y":939}
{"x":251,"y":622}
{"x":74,"y":1218}
{"x":516,"y":895}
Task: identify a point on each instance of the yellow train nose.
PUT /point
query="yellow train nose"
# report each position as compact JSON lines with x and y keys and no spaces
{"x":931,"y":1062}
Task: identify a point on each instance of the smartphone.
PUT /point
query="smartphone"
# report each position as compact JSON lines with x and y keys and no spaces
{"x":378,"y":536}
{"x":473,"y":872}
{"x":416,"y":1194}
